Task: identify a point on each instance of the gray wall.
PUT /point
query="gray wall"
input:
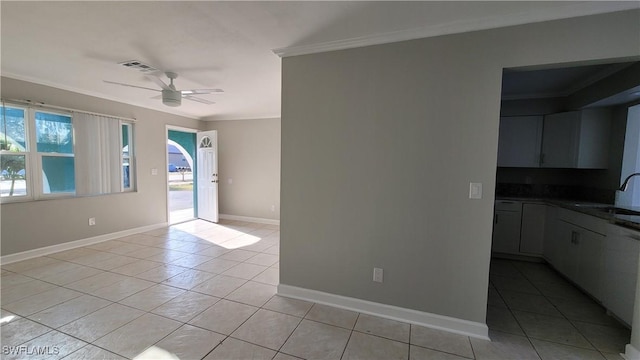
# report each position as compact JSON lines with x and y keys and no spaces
{"x":249,"y":153}
{"x":35,"y":224}
{"x":379,"y":145}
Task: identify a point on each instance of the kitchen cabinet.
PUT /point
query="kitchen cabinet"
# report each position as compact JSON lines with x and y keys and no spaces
{"x":532,"y":229}
{"x":575,"y":248}
{"x":589,"y":273}
{"x":518,"y":228}
{"x":620,"y":273}
{"x":576,"y":139}
{"x":506,"y":227}
{"x":520,"y":141}
{"x":551,"y":234}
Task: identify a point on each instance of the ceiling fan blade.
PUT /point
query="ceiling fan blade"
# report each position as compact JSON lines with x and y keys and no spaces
{"x":158,"y":81}
{"x":201,"y":91}
{"x":157,"y":96}
{"x":128,"y":85}
{"x":193,"y":98}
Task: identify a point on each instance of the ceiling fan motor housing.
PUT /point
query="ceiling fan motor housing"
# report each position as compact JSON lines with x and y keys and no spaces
{"x":171,"y":97}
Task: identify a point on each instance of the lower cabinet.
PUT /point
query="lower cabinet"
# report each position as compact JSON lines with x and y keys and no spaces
{"x":589,"y":252}
{"x":506,"y":231}
{"x":620,"y":271}
{"x":551,"y":233}
{"x":532,"y":230}
{"x":577,"y":253}
{"x":518,"y":228}
{"x":600,"y":257}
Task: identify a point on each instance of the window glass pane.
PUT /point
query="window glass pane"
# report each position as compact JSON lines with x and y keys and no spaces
{"x":125,"y":135}
{"x":54,"y":133}
{"x":58,"y":174}
{"x":12,"y":133}
{"x":126,"y":178}
{"x":13,"y":180}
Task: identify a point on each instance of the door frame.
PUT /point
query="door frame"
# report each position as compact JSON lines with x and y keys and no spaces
{"x":166,"y":165}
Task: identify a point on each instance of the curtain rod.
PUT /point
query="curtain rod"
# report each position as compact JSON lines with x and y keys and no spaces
{"x":41,"y":104}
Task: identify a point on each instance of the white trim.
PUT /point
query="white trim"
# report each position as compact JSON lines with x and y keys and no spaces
{"x":569,"y":10}
{"x":29,"y":254}
{"x":182,"y":128}
{"x":250,"y":219}
{"x":631,"y":353}
{"x":434,"y":321}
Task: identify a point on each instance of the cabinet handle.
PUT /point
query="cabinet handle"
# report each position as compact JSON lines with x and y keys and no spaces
{"x":496,"y":219}
{"x":575,"y":237}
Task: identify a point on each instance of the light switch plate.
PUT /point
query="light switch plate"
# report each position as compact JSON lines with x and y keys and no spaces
{"x":154,"y":171}
{"x":377,"y":274}
{"x":475,"y":190}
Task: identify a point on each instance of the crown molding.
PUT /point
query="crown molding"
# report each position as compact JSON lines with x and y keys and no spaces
{"x":568,"y":10}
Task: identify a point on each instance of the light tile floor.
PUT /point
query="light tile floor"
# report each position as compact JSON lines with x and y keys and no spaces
{"x":207,"y":291}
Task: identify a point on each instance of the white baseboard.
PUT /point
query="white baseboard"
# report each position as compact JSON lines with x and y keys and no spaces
{"x":434,"y":321}
{"x":29,"y":254}
{"x":250,"y":219}
{"x":631,"y":353}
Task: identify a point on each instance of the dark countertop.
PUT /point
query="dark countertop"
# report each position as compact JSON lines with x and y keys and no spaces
{"x":594,"y":209}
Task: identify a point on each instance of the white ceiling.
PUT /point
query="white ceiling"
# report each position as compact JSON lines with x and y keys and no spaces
{"x":228,"y":45}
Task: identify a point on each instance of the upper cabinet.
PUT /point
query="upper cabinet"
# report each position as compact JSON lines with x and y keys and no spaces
{"x":576,"y":139}
{"x":519,"y":141}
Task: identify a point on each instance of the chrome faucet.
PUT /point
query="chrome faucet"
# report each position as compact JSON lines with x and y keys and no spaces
{"x":624,"y":185}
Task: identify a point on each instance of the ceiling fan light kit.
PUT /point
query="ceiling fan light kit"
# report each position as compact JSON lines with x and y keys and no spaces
{"x":171,"y":98}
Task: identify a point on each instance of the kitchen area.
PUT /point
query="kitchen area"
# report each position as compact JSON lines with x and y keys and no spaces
{"x":566,"y":231}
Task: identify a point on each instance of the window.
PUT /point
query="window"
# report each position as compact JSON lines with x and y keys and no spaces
{"x":54,"y":142}
{"x":631,"y":160}
{"x":13,"y":153}
{"x":127,"y":150}
{"x":46,"y":154}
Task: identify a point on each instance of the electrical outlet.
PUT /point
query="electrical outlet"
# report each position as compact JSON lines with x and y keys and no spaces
{"x":273,"y":208}
{"x":92,"y":221}
{"x":377,"y":275}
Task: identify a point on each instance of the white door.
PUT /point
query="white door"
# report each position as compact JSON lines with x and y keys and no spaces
{"x":207,"y":169}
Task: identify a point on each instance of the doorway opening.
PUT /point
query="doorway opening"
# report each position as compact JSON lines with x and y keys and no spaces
{"x":182,"y":199}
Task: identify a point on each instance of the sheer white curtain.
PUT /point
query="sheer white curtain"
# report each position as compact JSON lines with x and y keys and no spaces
{"x":97,"y":152}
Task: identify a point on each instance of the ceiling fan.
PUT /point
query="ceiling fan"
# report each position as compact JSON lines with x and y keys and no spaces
{"x":170,"y":95}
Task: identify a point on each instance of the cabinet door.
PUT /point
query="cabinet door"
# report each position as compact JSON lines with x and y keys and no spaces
{"x":590,"y":262}
{"x":567,"y":250}
{"x":533,"y":224}
{"x":593,"y":148}
{"x":506,"y":232}
{"x":560,"y":140}
{"x":621,"y":251}
{"x":552,"y":236}
{"x":519,"y":141}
